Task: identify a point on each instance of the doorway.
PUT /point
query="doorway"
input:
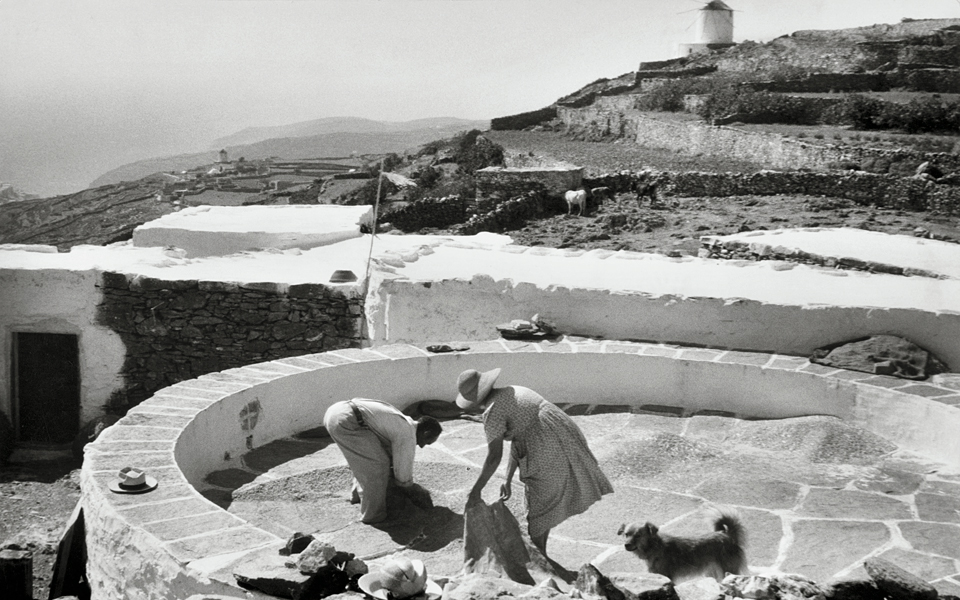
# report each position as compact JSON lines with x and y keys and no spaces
{"x":46,"y":387}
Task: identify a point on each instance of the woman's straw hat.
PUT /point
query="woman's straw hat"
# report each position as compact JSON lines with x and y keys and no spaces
{"x":132,"y":481}
{"x":400,"y":578}
{"x":474,"y":386}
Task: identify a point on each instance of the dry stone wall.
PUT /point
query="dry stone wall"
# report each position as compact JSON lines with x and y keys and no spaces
{"x":763,"y":148}
{"x":612,"y":116}
{"x":716,"y":247}
{"x":940,"y":81}
{"x":819,"y":82}
{"x":930,"y":55}
{"x":428,"y":212}
{"x":498,"y":184}
{"x":868,"y":189}
{"x":179,"y":330}
{"x":510,"y":214}
{"x":910,"y":193}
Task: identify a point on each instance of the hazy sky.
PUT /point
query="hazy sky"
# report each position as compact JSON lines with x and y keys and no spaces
{"x":88,"y":85}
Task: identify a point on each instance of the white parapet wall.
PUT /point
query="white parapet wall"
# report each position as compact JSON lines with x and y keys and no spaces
{"x":221,"y":230}
{"x":173,"y":543}
{"x":463,"y":291}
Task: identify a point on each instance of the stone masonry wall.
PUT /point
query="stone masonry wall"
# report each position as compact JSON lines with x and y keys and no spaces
{"x":714,"y":247}
{"x":428,"y":212}
{"x":497,"y":184}
{"x":771,"y":149}
{"x":509,"y":214}
{"x":930,"y":55}
{"x":179,"y":330}
{"x":820,"y":82}
{"x":941,"y":81}
{"x":869,"y":189}
{"x":610,"y":116}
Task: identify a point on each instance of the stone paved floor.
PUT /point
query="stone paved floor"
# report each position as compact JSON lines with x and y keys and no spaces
{"x":816,"y":495}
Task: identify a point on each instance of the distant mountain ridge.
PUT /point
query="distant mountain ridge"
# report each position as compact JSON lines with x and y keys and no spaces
{"x":251,"y":135}
{"x":365,"y":137}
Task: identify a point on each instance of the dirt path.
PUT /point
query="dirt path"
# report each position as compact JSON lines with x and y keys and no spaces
{"x":36,"y":500}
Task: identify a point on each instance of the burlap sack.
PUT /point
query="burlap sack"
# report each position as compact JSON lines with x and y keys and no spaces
{"x":493,"y":543}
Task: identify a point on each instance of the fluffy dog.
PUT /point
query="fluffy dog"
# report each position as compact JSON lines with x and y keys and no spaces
{"x":678,"y":557}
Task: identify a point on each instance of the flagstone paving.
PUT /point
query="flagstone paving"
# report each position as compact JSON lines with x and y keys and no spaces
{"x":817,"y":496}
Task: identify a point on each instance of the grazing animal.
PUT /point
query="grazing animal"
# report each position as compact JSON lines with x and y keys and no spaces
{"x":679,"y":557}
{"x":601,"y":193}
{"x":646,"y":185}
{"x":578,"y":198}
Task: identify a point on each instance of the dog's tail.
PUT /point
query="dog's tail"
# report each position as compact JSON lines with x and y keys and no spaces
{"x":728,"y":521}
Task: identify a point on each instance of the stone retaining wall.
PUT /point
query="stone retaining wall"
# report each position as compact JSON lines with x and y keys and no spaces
{"x":821,"y":82}
{"x":933,"y":80}
{"x":869,"y":189}
{"x":178,"y":330}
{"x":938,"y":55}
{"x":765,"y":148}
{"x":694,"y":137}
{"x":715,"y":247}
{"x":429,"y":212}
{"x":510,"y":214}
{"x":606,"y":117}
{"x":496,"y":184}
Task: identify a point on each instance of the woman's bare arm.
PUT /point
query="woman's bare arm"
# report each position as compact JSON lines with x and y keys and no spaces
{"x":490,"y":464}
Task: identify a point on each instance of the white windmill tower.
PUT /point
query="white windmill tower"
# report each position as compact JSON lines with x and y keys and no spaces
{"x":714,"y":29}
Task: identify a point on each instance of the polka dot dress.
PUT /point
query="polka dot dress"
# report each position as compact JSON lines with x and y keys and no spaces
{"x":560,"y":473}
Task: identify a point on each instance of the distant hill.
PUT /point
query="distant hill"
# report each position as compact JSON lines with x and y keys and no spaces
{"x":316,"y":127}
{"x":366,"y":137}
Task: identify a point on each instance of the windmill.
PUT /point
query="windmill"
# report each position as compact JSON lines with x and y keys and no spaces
{"x":714,"y":28}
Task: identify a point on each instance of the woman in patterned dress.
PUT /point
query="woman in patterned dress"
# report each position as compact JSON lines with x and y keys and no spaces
{"x":560,"y":474}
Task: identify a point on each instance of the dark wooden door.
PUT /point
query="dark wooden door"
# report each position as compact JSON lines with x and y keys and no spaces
{"x":47,"y":387}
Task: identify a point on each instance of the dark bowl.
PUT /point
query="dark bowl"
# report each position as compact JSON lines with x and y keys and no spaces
{"x":343,"y":276}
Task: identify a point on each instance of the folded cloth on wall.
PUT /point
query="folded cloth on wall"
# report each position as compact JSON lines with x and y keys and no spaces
{"x":881,"y":355}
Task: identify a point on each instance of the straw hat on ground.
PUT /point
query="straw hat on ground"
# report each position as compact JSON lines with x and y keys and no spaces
{"x":400,"y":578}
{"x":474,"y":386}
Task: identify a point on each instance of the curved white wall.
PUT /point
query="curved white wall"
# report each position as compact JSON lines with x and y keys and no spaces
{"x":172,"y":542}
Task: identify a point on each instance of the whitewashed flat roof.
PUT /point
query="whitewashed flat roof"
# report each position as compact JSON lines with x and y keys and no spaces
{"x":225,"y":230}
{"x":280,"y":266}
{"x":305,"y":218}
{"x":491,"y":255}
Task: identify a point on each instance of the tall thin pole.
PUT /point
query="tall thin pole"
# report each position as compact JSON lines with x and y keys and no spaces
{"x":373,"y":228}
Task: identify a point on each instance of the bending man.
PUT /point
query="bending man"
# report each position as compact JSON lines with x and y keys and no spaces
{"x":375,"y":437}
